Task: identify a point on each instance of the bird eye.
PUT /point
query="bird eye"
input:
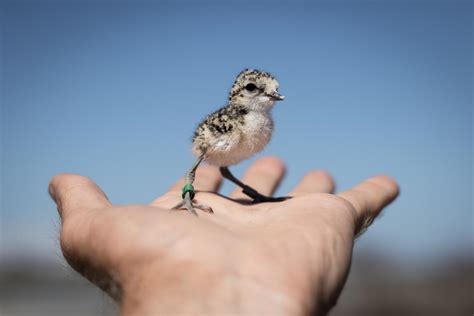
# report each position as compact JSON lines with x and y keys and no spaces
{"x":250,"y":87}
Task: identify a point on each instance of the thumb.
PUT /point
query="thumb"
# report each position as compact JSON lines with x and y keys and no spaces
{"x":74,"y":194}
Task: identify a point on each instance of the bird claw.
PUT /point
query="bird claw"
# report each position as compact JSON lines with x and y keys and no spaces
{"x":260,"y":198}
{"x":188,"y":204}
{"x":204,"y":208}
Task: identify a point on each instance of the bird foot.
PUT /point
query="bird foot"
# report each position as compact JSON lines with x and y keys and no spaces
{"x":260,"y":198}
{"x":188,"y":204}
{"x":263,"y":199}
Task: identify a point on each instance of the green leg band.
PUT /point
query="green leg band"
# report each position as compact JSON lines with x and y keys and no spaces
{"x":188,"y":188}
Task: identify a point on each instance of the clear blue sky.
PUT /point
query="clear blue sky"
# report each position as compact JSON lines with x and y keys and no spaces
{"x":114,"y":92}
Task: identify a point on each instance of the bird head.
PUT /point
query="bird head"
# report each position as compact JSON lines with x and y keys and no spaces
{"x":255,"y":89}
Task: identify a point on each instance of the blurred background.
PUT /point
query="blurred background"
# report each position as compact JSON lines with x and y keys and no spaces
{"x":114,"y":91}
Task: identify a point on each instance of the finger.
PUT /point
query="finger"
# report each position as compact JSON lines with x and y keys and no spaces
{"x":74,"y":194}
{"x":264,"y":176}
{"x":82,"y":246}
{"x":370,"y":197}
{"x":317,"y":181}
{"x":208,"y":178}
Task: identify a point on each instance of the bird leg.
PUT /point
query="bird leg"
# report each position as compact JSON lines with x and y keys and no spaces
{"x":188,"y":192}
{"x":249,"y":191}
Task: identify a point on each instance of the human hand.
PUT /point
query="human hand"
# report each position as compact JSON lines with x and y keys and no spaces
{"x":285,"y":258}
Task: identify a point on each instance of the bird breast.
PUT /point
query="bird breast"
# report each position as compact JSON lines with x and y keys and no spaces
{"x":248,"y":137}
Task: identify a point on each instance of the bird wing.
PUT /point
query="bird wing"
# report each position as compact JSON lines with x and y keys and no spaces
{"x":226,"y":142}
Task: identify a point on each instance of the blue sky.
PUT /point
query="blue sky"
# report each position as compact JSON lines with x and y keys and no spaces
{"x":114,"y":91}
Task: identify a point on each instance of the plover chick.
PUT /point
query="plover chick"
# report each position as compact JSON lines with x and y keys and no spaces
{"x":234,"y":133}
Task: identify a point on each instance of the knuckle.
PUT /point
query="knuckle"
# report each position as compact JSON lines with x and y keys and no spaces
{"x":68,"y":237}
{"x":327,"y":197}
{"x":76,"y":230}
{"x":341,"y":206}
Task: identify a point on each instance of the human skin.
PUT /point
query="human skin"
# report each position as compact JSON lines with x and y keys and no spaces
{"x":286,"y":258}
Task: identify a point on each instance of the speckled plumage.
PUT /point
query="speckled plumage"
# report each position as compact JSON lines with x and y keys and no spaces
{"x":233,"y":133}
{"x":244,"y":126}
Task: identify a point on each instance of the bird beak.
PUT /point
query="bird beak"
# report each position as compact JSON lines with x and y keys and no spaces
{"x":276,"y":96}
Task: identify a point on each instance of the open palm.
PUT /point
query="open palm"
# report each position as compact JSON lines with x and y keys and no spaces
{"x":283,"y":258}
